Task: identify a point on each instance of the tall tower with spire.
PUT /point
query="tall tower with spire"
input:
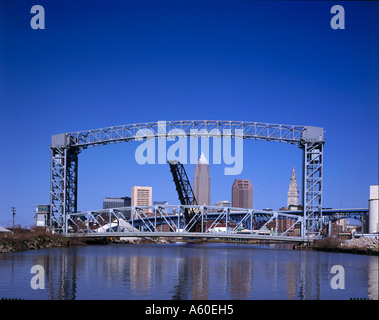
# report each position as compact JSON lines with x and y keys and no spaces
{"x":293,"y":191}
{"x":202,"y":181}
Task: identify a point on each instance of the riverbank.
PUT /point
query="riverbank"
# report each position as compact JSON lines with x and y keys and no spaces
{"x":10,"y":244}
{"x":363,"y":245}
{"x":25,"y":240}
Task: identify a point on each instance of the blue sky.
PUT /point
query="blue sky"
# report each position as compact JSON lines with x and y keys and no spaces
{"x":105,"y":63}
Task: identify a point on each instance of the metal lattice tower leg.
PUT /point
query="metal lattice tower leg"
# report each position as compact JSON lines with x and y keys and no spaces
{"x":63,"y":186}
{"x":312,"y":189}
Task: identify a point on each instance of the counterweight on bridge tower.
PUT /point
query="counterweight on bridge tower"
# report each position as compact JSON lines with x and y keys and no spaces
{"x":182,"y":184}
{"x":184,"y":190}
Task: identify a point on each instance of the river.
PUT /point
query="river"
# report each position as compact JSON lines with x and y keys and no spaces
{"x":184,"y":271}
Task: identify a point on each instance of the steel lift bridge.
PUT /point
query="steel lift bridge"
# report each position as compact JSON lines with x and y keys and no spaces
{"x":65,"y":148}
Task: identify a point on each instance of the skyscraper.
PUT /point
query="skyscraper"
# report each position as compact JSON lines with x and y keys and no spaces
{"x":242,"y":194}
{"x":293,"y":192}
{"x":202,"y":181}
{"x":142,"y":196}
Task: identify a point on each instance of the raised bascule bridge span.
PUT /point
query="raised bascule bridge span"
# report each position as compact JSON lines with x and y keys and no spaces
{"x":66,"y":147}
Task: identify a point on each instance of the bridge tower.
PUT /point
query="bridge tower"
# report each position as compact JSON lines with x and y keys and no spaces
{"x":63,"y":182}
{"x":65,"y":148}
{"x":184,"y":189}
{"x":312,"y":143}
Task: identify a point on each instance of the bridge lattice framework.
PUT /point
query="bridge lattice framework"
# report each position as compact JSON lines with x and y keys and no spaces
{"x":170,"y":221}
{"x":240,"y":223}
{"x":65,"y":148}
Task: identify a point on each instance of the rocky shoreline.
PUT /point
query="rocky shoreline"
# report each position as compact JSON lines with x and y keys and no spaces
{"x":363,"y":245}
{"x":363,"y":242}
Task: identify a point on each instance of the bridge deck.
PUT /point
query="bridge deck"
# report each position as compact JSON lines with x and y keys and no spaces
{"x":221,"y":235}
{"x":211,"y":222}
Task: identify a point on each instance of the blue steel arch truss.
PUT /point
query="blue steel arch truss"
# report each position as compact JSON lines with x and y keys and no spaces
{"x":332,"y":215}
{"x":65,"y":148}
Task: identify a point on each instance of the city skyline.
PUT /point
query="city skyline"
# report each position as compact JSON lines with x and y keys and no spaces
{"x":127,"y":62}
{"x":228,"y":202}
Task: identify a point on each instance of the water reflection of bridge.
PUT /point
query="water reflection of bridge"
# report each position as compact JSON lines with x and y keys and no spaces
{"x":205,"y":222}
{"x":192,"y":271}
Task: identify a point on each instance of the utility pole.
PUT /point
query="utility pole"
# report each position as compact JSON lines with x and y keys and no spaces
{"x":362,"y":225}
{"x":13,"y":213}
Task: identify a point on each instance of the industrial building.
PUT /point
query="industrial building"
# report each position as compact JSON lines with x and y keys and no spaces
{"x":373,"y":207}
{"x":42,"y":215}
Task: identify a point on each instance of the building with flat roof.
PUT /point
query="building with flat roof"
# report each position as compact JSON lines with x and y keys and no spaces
{"x":42,"y":216}
{"x":224,"y":203}
{"x":111,"y":202}
{"x":142,"y":196}
{"x":242,"y":194}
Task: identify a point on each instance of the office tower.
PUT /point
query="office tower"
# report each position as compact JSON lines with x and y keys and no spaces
{"x":293,"y":192}
{"x":110,"y":202}
{"x":242,"y":194}
{"x":142,"y":196}
{"x":202,"y":181}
